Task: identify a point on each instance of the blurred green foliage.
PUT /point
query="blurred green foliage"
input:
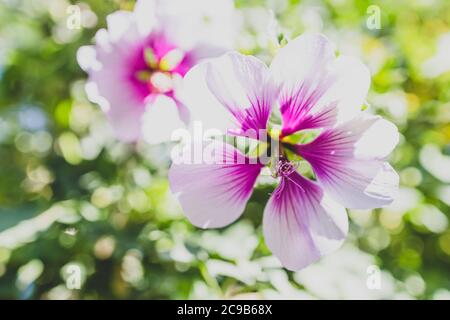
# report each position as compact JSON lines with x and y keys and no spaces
{"x":71,"y":195}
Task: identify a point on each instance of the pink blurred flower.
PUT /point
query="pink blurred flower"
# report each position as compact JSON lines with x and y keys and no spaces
{"x":136,"y":66}
{"x":314,"y":90}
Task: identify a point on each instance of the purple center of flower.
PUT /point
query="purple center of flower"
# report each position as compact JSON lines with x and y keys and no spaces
{"x":156,"y":65}
{"x":284,"y":168}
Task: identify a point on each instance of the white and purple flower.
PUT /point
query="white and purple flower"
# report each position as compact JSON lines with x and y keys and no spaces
{"x":137,"y":64}
{"x":313,"y":89}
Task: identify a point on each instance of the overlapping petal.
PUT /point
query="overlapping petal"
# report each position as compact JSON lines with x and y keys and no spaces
{"x":303,"y":219}
{"x":121,"y":80}
{"x":155,"y":127}
{"x":301,"y":223}
{"x":244,"y":86}
{"x":108,"y":87}
{"x":109,"y":82}
{"x":199,"y":22}
{"x":349,"y":162}
{"x":213,"y":193}
{"x":233,"y":92}
{"x":317,"y":89}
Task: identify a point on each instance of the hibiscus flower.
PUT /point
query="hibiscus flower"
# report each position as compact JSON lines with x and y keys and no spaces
{"x":318,"y":95}
{"x":137,"y":63}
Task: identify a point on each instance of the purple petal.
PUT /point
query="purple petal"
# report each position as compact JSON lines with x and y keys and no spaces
{"x":301,"y":223}
{"x":214,"y":193}
{"x":243,"y":86}
{"x":317,"y":89}
{"x":108,"y":69}
{"x":349,"y":162}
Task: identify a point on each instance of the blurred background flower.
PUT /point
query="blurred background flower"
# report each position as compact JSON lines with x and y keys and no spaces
{"x":83,"y":216}
{"x":137,"y":63}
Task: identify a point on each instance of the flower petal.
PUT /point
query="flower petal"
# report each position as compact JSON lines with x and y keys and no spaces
{"x":161,"y":118}
{"x":108,"y":86}
{"x":242,"y":86}
{"x":189,"y":23}
{"x":316,"y":88}
{"x":145,"y":13}
{"x":119,"y":24}
{"x":108,"y":67}
{"x":214,"y":192}
{"x":301,"y":223}
{"x":349,"y":90}
{"x":125,"y":121}
{"x":349,"y":162}
{"x":86,"y":58}
{"x":116,"y":63}
{"x":202,"y":104}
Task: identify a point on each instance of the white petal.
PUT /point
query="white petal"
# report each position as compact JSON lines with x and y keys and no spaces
{"x":349,"y":89}
{"x":353,"y":173}
{"x":301,"y":224}
{"x":109,"y":87}
{"x":145,"y":15}
{"x":313,"y":80}
{"x":94,"y":96}
{"x":118,"y":24}
{"x":189,"y":23}
{"x":364,"y":184}
{"x":87,"y":58}
{"x":213,"y":194}
{"x":301,"y":68}
{"x":126,"y":121}
{"x":233,"y":92}
{"x":203,"y":105}
{"x":244,"y":86}
{"x":378,"y":140}
{"x":301,"y":58}
{"x":160,"y":120}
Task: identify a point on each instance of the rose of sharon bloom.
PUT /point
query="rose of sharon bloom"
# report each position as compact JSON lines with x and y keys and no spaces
{"x":314,"y":90}
{"x":136,"y":66}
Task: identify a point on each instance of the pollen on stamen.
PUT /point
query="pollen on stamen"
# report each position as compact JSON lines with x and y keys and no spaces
{"x":284,"y":168}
